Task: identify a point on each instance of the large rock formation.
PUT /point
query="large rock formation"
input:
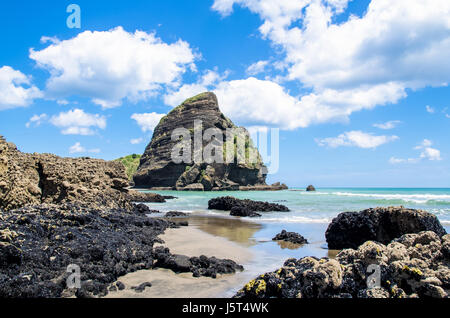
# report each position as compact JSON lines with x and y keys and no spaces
{"x":158,"y":170}
{"x":30,"y":179}
{"x":351,"y":229}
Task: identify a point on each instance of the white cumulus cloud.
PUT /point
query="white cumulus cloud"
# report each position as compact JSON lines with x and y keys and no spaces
{"x":16,"y":89}
{"x":394,"y":46}
{"x":258,"y":102}
{"x":78,"y":122}
{"x":257,"y":67}
{"x":430,"y":109}
{"x":78,"y":148}
{"x":109,"y":66}
{"x":147,"y":121}
{"x":426,"y":153}
{"x":206,"y":82}
{"x":136,"y":141}
{"x":356,"y":139}
{"x":37,"y":120}
{"x":388,"y":125}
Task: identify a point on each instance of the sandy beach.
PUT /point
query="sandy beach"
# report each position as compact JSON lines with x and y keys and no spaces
{"x":245,"y":242}
{"x":189,"y":241}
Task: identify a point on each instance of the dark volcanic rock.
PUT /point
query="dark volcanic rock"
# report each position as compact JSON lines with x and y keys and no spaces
{"x":240,"y":210}
{"x":120,"y":285}
{"x":141,"y":287}
{"x":290,"y":237}
{"x":415,"y":265}
{"x":351,"y":229}
{"x":145,"y":197}
{"x":158,"y":170}
{"x":227,"y":203}
{"x":199,"y":266}
{"x":175,"y":214}
{"x":38,"y":243}
{"x":310,"y":188}
{"x":144,"y":209}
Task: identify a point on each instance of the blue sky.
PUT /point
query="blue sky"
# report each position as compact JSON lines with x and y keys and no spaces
{"x":358,"y":89}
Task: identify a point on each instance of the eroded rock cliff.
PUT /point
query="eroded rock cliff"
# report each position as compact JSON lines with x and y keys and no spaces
{"x":158,"y":170}
{"x":30,"y":179}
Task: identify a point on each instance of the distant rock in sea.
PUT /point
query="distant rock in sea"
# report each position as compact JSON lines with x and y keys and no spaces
{"x":157,"y":169}
{"x":310,"y":188}
{"x":351,"y":229}
{"x":291,"y":237}
{"x":244,"y":208}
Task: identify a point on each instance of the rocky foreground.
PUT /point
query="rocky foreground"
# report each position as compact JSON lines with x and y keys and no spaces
{"x":38,"y":243}
{"x":398,"y":253}
{"x":59,"y":213}
{"x":351,"y":229}
{"x":414,"y":265}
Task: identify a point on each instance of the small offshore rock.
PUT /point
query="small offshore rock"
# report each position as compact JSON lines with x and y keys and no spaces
{"x":175,"y":214}
{"x":227,"y":203}
{"x":290,"y":237}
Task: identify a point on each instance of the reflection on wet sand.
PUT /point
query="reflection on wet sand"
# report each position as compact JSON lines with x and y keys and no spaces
{"x":233,"y":229}
{"x":289,"y":245}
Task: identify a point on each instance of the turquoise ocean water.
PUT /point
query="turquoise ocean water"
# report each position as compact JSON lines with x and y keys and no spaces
{"x":320,"y":206}
{"x":311,"y":212}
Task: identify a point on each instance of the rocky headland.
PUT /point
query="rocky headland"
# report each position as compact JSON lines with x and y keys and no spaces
{"x":157,"y":169}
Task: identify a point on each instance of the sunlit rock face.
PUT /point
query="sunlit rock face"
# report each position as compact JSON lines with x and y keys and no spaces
{"x":241,"y":165}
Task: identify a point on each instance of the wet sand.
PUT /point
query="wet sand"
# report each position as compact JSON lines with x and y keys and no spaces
{"x":189,"y":241}
{"x":247,"y":243}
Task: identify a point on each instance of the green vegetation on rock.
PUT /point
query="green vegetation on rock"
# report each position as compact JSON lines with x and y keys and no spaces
{"x":195,"y":98}
{"x":131,"y":164}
